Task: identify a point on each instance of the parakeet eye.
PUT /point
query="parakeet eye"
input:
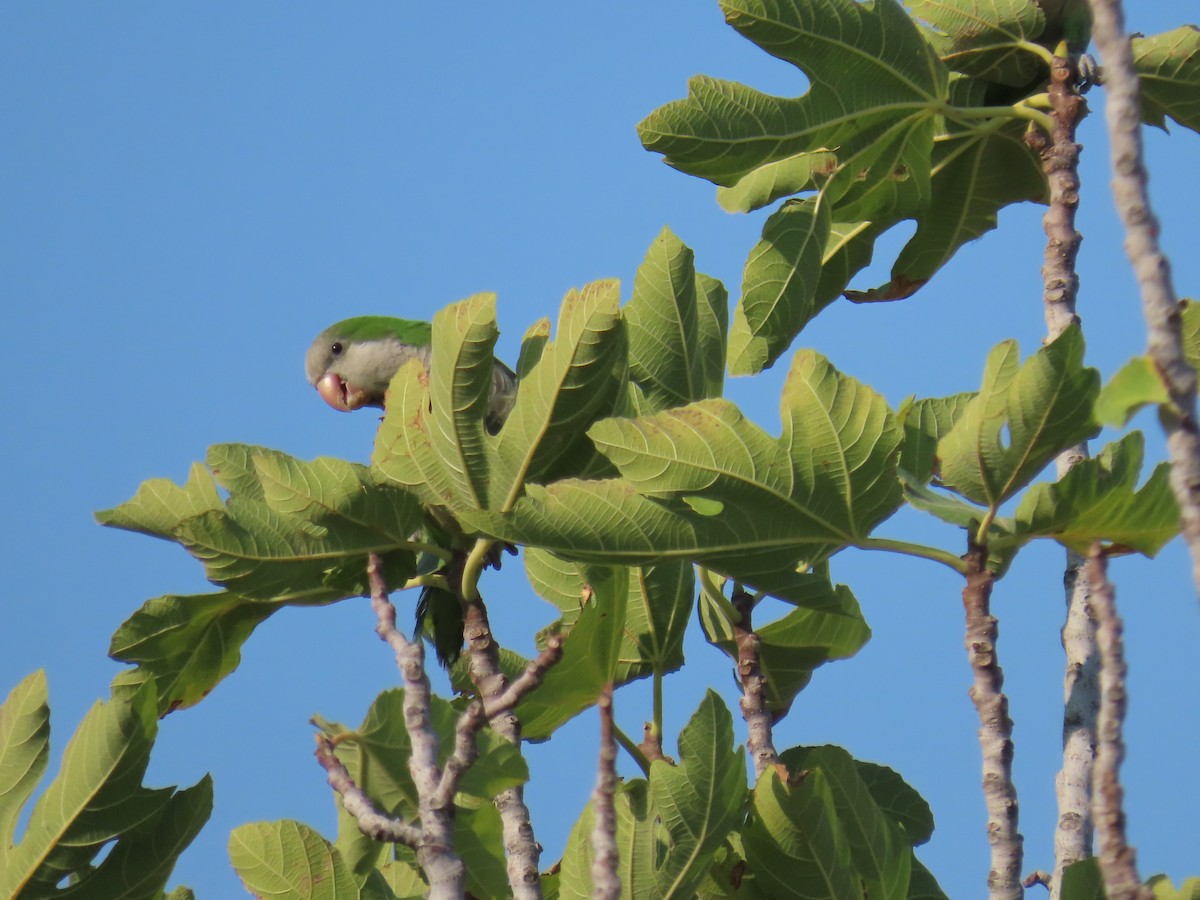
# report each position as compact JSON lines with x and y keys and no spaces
{"x":336,"y":348}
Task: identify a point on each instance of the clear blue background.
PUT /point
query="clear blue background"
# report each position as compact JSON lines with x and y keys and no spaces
{"x":190,"y":192}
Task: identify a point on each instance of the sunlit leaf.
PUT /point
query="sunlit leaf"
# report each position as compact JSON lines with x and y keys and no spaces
{"x":671,"y":326}
{"x":95,"y":805}
{"x":188,"y":643}
{"x":289,"y":859}
{"x":1168,"y":69}
{"x":1098,"y":499}
{"x":1023,"y":415}
{"x":987,"y":39}
{"x":795,"y":843}
{"x":927,"y":421}
{"x":723,"y":131}
{"x":879,"y":850}
{"x":779,"y":287}
{"x":700,"y":800}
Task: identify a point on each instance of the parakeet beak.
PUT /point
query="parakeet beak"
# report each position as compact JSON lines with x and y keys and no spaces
{"x":339,"y":394}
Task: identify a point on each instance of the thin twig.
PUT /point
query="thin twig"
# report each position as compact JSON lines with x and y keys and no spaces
{"x":606,"y":879}
{"x":1060,"y":161}
{"x":995,"y":732}
{"x":527,"y":681}
{"x":476,"y":715}
{"x":1118,"y":862}
{"x":371,"y":821}
{"x":759,"y":721}
{"x":1159,"y":302}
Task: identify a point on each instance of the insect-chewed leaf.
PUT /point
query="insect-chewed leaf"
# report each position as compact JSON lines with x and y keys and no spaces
{"x":927,"y":421}
{"x":1098,"y":500}
{"x":1168,"y":67}
{"x":1022,"y":416}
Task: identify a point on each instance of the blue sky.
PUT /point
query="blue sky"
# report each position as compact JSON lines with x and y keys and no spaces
{"x":192,"y":192}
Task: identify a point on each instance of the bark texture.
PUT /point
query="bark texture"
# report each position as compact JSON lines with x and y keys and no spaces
{"x":1159,"y":302}
{"x":606,"y":878}
{"x":759,"y":721}
{"x":1060,"y":161}
{"x":1118,"y":862}
{"x":995,"y":732}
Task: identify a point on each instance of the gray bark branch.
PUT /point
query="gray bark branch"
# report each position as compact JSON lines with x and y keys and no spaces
{"x":995,"y":732}
{"x":1118,"y":861}
{"x":606,"y":878}
{"x":521,"y":849}
{"x":1060,"y":161}
{"x":1159,"y":302}
{"x":760,"y":740}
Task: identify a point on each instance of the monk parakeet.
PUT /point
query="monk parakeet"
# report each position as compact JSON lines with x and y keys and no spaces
{"x":352,"y":363}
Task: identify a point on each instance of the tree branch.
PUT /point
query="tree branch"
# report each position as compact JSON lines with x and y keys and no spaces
{"x":1150,"y":266}
{"x":606,"y":879}
{"x":371,"y":821}
{"x":759,"y":720}
{"x":1060,"y":161}
{"x":1118,"y":862}
{"x":995,"y":733}
{"x":434,"y":839}
{"x":521,"y":849}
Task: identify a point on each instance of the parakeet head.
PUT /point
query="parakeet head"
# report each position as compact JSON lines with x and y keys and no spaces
{"x":352,"y":362}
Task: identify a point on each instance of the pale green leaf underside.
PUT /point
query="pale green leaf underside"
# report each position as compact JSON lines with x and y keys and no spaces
{"x":986,"y":39}
{"x":95,"y":802}
{"x":289,"y":859}
{"x":1137,"y":384}
{"x":770,"y":504}
{"x":864,"y":63}
{"x":1099,"y":500}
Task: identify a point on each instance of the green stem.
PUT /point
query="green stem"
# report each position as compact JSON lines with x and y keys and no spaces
{"x":919,"y":550}
{"x":432,"y":549}
{"x":632,"y":749}
{"x":473,"y":567}
{"x":981,"y":534}
{"x":713,"y":594}
{"x":1016,"y":111}
{"x":437,"y":581}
